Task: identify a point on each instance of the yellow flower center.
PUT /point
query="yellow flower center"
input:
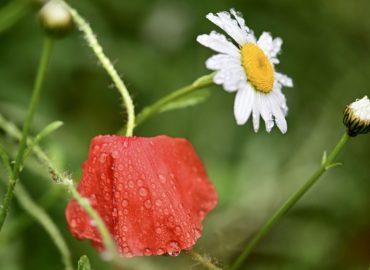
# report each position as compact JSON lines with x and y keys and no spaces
{"x":257,"y":67}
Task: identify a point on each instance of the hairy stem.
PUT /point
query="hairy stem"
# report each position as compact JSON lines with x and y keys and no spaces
{"x":153,"y":109}
{"x":91,"y":39}
{"x":326,"y":165}
{"x":45,"y":57}
{"x":205,"y":262}
{"x":41,"y":216}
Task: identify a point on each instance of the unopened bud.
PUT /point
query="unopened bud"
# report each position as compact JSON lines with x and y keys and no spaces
{"x":357,"y":117}
{"x":55,"y":19}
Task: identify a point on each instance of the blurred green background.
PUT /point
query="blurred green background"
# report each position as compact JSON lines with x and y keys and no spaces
{"x":326,"y":51}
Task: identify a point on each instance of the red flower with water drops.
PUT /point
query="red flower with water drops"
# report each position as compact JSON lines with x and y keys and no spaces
{"x":152,"y":194}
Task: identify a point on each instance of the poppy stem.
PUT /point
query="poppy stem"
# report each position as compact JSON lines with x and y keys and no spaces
{"x":60,"y":178}
{"x":149,"y":111}
{"x":327,"y":164}
{"x":206,"y":262}
{"x":109,"y":245}
{"x":44,"y":61}
{"x":92,"y":41}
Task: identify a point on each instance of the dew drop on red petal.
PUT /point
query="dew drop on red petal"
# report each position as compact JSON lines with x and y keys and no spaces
{"x":147,"y":252}
{"x":148,"y":204}
{"x":173,"y":248}
{"x":143,"y":191}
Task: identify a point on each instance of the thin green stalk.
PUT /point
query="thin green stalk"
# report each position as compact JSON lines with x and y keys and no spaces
{"x":66,"y":181}
{"x":326,"y":165}
{"x":41,"y":216}
{"x":107,"y":239}
{"x":91,"y":39}
{"x":45,"y":57}
{"x":206,"y":262}
{"x":156,"y":107}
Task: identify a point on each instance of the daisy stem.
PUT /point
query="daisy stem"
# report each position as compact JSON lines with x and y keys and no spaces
{"x":326,"y":165}
{"x":45,"y":57}
{"x":92,"y":41}
{"x":206,"y":262}
{"x":149,"y":111}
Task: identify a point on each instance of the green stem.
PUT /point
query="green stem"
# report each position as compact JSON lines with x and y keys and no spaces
{"x":151,"y":110}
{"x":85,"y":204}
{"x":206,"y":262}
{"x":40,"y":215}
{"x":45,"y":57}
{"x":91,"y":39}
{"x":292,"y":200}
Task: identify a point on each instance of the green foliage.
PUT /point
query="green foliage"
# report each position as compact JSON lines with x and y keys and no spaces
{"x":84,"y":263}
{"x":188,"y":100}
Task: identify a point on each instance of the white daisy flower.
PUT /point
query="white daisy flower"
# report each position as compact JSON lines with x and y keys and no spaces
{"x":249,"y":70}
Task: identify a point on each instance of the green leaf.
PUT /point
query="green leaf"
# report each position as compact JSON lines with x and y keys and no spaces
{"x":191,"y":99}
{"x":324,"y":158}
{"x":43,"y":133}
{"x":84,"y":263}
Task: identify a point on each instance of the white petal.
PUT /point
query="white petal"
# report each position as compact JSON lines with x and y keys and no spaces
{"x":218,"y":43}
{"x":284,"y":79}
{"x":278,"y":111}
{"x":219,"y":61}
{"x":231,"y":78}
{"x":256,"y":117}
{"x":243,"y":104}
{"x":270,"y":46}
{"x":265,"y":109}
{"x":239,"y":18}
{"x":229,"y":25}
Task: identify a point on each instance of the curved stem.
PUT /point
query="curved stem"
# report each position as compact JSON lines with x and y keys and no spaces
{"x":292,"y":200}
{"x":151,"y":110}
{"x":64,"y":180}
{"x":105,"y":235}
{"x":45,"y":57}
{"x":41,"y":216}
{"x":206,"y":262}
{"x":107,"y":65}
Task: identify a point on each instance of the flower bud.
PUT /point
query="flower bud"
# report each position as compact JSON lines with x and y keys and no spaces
{"x":55,"y":19}
{"x":357,"y":117}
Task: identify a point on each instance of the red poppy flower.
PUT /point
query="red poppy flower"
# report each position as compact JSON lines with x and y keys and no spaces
{"x":152,"y":194}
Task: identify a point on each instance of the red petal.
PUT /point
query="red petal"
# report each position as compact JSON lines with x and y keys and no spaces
{"x":152,"y":194}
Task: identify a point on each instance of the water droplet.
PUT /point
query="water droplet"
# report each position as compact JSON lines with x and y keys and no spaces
{"x":124,"y":203}
{"x":173,"y":248}
{"x":73,"y":223}
{"x":131,"y":184}
{"x":117,"y":194}
{"x":92,"y":223}
{"x":158,"y":230}
{"x":162,"y":178}
{"x":125,"y":144}
{"x":115,"y":154}
{"x":102,"y":158}
{"x":148,"y":204}
{"x":143,"y":191}
{"x":147,"y":252}
{"x":102,"y":176}
{"x":114,"y":212}
{"x":158,"y":202}
{"x":178,"y":230}
{"x":140,"y":182}
{"x":160,"y":251}
{"x":125,"y":228}
{"x":120,"y":186}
